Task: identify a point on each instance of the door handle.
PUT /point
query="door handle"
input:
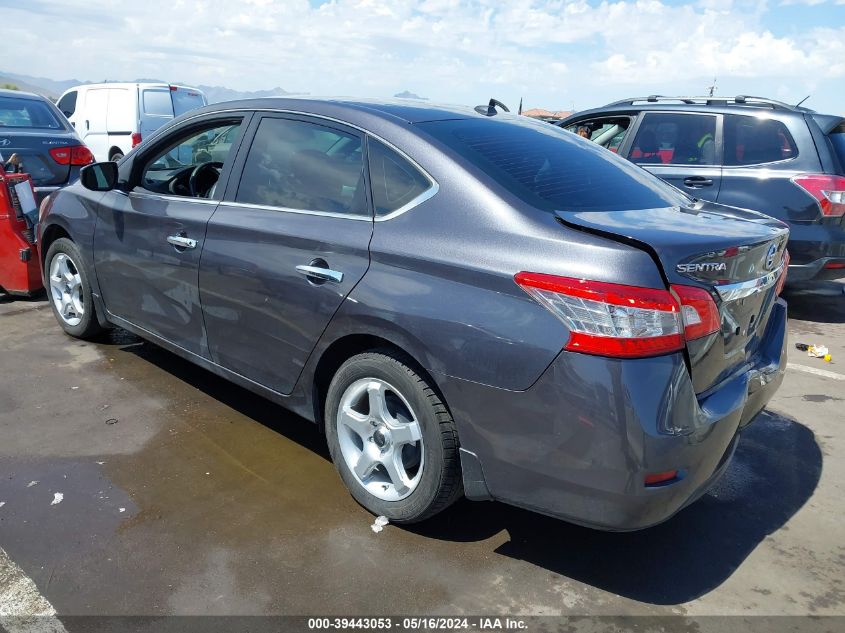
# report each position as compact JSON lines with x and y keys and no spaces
{"x":180,"y":241}
{"x":322,"y":273}
{"x":87,"y":127}
{"x":698,"y":181}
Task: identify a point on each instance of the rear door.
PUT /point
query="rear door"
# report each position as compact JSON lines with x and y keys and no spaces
{"x":91,"y":122}
{"x":122,"y":118}
{"x":683,"y":149}
{"x":285,"y":247}
{"x":147,"y":242}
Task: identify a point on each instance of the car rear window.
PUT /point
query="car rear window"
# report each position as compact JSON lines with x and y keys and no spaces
{"x":185,"y":100}
{"x":837,"y":140}
{"x":157,"y":103}
{"x":754,"y":140}
{"x":551,"y":168}
{"x":27,"y":113}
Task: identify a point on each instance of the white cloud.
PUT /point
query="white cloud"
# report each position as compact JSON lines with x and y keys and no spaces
{"x":551,"y":51}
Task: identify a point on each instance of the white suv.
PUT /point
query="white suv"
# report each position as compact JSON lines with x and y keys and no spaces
{"x":112,"y":118}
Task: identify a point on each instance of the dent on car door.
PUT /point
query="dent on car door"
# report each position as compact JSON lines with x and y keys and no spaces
{"x":148,"y":240}
{"x":682,"y":149}
{"x":285,"y":247}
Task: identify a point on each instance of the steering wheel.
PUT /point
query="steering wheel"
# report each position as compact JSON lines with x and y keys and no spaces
{"x":198,"y":171}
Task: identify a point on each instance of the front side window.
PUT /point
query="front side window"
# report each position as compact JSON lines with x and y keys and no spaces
{"x":751,"y":140}
{"x":396,"y":182}
{"x":675,"y":139}
{"x":26,"y":113}
{"x":67,"y":104}
{"x":189,"y":167}
{"x":301,"y":165}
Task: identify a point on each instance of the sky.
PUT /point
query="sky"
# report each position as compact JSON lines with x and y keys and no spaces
{"x":551,"y":53}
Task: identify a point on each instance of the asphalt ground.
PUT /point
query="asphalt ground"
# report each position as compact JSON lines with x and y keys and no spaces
{"x":134,"y":483}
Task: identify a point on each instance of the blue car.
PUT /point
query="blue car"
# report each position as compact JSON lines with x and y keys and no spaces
{"x":465,"y":302}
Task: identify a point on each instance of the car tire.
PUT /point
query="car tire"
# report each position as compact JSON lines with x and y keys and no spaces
{"x":376,"y":408}
{"x":116,"y":157}
{"x":69,"y":290}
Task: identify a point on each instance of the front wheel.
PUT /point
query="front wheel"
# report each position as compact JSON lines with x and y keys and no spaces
{"x":70,"y":290}
{"x":392,"y":439}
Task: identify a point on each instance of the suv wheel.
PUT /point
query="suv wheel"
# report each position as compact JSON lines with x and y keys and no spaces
{"x":69,"y":290}
{"x":392,"y":439}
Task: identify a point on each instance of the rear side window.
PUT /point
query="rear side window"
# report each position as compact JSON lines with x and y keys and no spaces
{"x":157,"y":102}
{"x":27,"y":113}
{"x":607,"y":132}
{"x":67,"y":104}
{"x":396,"y":182}
{"x":751,"y":140}
{"x":675,"y":139}
{"x":552,"y":169}
{"x":301,"y":165}
{"x":837,"y":140}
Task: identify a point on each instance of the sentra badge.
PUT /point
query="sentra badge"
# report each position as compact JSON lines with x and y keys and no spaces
{"x":704,"y":267}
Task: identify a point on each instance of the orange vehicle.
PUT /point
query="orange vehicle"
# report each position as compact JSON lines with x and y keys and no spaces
{"x":20,"y":269}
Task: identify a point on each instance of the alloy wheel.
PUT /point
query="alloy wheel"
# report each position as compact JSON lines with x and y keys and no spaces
{"x":380,"y":439}
{"x":66,"y":289}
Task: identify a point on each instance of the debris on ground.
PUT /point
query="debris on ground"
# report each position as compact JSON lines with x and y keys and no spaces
{"x":815,"y":351}
{"x":122,"y":510}
{"x":379,"y":523}
{"x":32,"y":483}
{"x":2,"y":503}
{"x":112,"y":421}
{"x":57,"y":499}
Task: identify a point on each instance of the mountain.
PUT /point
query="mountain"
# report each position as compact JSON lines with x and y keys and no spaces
{"x":52,"y":89}
{"x":406,"y":94}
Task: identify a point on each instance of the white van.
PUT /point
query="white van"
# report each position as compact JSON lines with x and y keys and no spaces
{"x":112,"y":118}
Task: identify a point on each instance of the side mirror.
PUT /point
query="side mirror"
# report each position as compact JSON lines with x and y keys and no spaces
{"x":99,"y":176}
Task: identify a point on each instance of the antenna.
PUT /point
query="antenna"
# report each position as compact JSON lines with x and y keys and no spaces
{"x":802,"y":101}
{"x":712,"y":89}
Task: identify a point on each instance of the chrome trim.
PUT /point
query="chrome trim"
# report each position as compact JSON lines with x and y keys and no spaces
{"x":162,"y":196}
{"x":46,"y":188}
{"x":426,"y":195}
{"x":267,"y":207}
{"x":742,"y":289}
{"x":180,"y":241}
{"x":326,"y":274}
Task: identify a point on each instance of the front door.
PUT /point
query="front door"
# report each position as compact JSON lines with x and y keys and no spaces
{"x":682,"y":149}
{"x":148,"y":241}
{"x":285,"y":247}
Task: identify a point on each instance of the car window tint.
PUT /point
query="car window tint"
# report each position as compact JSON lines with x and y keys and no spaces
{"x":157,"y":103}
{"x":184,"y":100}
{"x":301,"y":165}
{"x":675,"y":139}
{"x":396,"y":182}
{"x":607,"y":132}
{"x":27,"y":113}
{"x":168,"y":171}
{"x":837,"y":140}
{"x":751,"y":140}
{"x":67,"y":104}
{"x":549,"y":168}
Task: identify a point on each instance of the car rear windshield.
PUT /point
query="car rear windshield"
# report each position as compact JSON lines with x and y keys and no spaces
{"x":185,"y":100}
{"x":27,"y":113}
{"x":837,"y":140}
{"x":553,"y":169}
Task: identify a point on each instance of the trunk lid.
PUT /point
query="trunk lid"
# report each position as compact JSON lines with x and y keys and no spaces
{"x":33,"y":149}
{"x":736,"y":255}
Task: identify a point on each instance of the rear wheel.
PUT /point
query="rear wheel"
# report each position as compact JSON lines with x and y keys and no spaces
{"x":392,"y":439}
{"x":116,"y":156}
{"x":69,"y":290}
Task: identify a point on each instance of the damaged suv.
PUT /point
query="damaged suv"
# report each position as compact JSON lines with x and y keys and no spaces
{"x":465,"y":303}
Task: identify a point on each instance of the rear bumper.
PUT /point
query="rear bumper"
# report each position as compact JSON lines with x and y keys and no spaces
{"x":578,"y":444}
{"x":812,"y":247}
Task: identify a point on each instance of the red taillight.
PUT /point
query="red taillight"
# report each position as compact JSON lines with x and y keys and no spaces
{"x":834,"y":265}
{"x":656,"y":479}
{"x":72,"y":155}
{"x":174,"y":88}
{"x":829,"y":192}
{"x":607,"y":319}
{"x":783,"y":273}
{"x":136,"y":138}
{"x":698,"y":311}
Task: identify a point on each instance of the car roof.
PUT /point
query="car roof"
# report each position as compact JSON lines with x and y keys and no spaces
{"x":353,"y":109}
{"x":20,"y":93}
